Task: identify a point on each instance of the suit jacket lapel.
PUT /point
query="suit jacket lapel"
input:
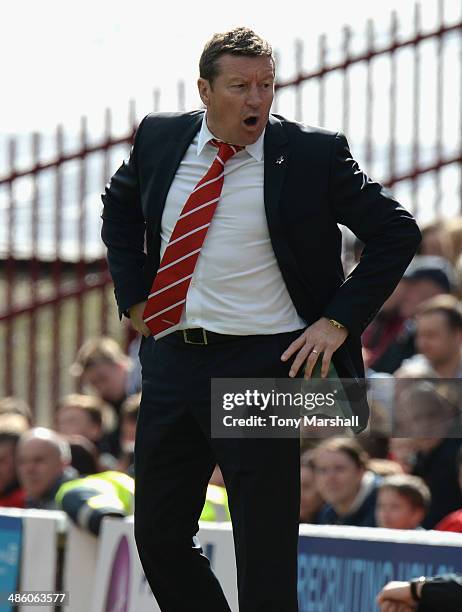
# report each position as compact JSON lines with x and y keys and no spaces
{"x":276,"y":148}
{"x":169,"y":160}
{"x":276,"y":154}
{"x":174,"y":151}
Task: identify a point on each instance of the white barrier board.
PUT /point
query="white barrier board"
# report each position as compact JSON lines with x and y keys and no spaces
{"x":40,"y":529}
{"x":120,"y":583}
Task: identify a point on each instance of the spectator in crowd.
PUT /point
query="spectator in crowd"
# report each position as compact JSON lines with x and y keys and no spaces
{"x":436,"y":240}
{"x":85,"y":456}
{"x":402,"y":451}
{"x":402,"y":502}
{"x":430,"y":419}
{"x":311,"y":501}
{"x":375,"y":441}
{"x":15,"y":405}
{"x":426,"y":277}
{"x":436,"y":594}
{"x":384,"y":328}
{"x":438,"y":340}
{"x":453,"y":229}
{"x":91,"y":417}
{"x":101,"y":364}
{"x":88,"y":500}
{"x":11,"y":493}
{"x":43,"y":463}
{"x":453,"y":522}
{"x":344,"y":482}
{"x":128,"y":419}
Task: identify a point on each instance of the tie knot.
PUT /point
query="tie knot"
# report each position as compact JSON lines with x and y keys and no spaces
{"x":225,"y":150}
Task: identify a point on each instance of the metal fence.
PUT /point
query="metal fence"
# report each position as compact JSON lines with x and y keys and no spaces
{"x":396,"y":92}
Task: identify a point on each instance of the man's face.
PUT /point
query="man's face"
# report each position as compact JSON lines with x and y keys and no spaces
{"x":394,"y":511}
{"x":72,"y":420}
{"x":7,"y":465}
{"x":108,"y":380}
{"x":239,"y":99}
{"x":338,"y":478}
{"x":39,"y":465}
{"x":435,"y":339}
{"x":427,"y":420}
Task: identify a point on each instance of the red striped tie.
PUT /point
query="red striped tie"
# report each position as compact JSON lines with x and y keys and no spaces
{"x":168,"y":293}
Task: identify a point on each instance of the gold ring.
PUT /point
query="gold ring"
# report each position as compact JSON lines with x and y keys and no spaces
{"x":314,"y":351}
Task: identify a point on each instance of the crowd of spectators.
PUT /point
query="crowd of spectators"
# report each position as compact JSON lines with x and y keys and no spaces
{"x":91,"y":433}
{"x":405,"y":472}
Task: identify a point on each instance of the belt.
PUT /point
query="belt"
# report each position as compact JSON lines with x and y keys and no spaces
{"x":202,"y":337}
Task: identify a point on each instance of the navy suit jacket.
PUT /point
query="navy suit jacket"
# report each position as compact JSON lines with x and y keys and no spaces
{"x":317,"y":185}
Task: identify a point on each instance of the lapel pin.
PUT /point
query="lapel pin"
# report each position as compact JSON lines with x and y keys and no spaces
{"x":280,"y":159}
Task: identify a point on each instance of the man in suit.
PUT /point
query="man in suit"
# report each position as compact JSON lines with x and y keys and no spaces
{"x":241,"y":278}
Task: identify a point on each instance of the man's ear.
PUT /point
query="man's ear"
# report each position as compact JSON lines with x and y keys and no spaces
{"x":203,"y":85}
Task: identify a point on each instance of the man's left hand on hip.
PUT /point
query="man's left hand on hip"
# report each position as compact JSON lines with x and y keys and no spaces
{"x":320,"y":337}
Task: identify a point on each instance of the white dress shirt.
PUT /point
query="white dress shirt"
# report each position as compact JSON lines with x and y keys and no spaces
{"x":237,"y":287}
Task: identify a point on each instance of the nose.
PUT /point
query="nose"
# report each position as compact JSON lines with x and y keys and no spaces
{"x":254,"y":97}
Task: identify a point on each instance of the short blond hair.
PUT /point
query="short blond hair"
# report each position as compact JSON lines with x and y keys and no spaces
{"x":15,"y":405}
{"x":96,"y":351}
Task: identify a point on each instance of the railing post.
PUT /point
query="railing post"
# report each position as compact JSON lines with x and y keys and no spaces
{"x":55,"y":374}
{"x":299,"y":86}
{"x":416,"y":109}
{"x":82,"y":219}
{"x":322,"y":45}
{"x":10,"y":269}
{"x":370,"y":37}
{"x":34,"y":277}
{"x":346,"y":79}
{"x":394,"y":27}
{"x":439,"y":109}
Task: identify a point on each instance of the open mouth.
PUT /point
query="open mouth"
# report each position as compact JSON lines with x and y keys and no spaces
{"x":251,"y":121}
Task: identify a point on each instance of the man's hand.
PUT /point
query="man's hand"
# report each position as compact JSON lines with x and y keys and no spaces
{"x":396,"y":597}
{"x":321,"y":337}
{"x":136,"y":319}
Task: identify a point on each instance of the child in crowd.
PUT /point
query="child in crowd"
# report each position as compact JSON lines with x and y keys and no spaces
{"x":402,"y":502}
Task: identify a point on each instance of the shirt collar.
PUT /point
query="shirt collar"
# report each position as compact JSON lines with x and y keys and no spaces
{"x":255,"y":150}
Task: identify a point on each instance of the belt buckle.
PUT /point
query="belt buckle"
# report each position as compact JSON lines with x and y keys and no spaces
{"x":187,"y":341}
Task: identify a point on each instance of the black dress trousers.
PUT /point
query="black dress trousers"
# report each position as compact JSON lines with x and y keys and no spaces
{"x":174,"y":459}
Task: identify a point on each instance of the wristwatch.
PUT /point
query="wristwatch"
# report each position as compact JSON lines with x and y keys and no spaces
{"x":336,"y":324}
{"x":414,"y":584}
